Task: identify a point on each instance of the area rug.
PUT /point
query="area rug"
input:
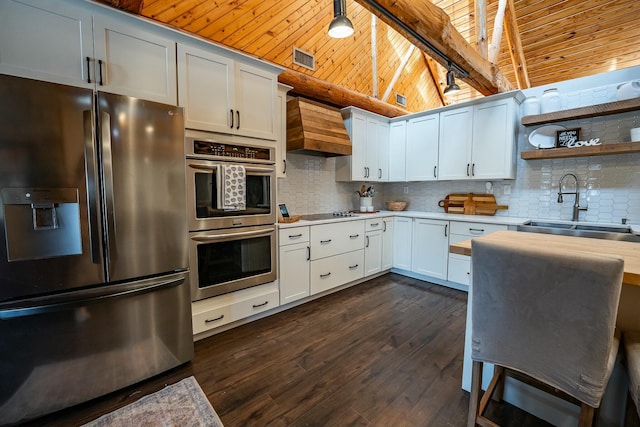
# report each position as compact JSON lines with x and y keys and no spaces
{"x":180,"y":404}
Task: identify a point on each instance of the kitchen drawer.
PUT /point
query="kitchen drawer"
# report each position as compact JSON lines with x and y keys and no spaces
{"x":330,"y":272}
{"x":474,"y":229}
{"x":374,"y":224}
{"x":459,"y":269}
{"x":218,"y":311}
{"x":289,"y":236}
{"x":336,"y":238}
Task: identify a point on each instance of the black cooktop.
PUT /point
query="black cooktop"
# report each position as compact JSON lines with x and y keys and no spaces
{"x":321,"y":216}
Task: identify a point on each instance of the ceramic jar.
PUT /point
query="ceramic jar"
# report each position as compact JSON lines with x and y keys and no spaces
{"x":550,"y":101}
{"x":531,"y":106}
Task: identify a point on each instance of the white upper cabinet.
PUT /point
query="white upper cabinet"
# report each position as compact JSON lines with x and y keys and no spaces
{"x":479,"y":141}
{"x":397,"y":151}
{"x":456,"y":135}
{"x":494,"y":139}
{"x":134,"y":62}
{"x":369,"y":160}
{"x":54,"y":41}
{"x":48,"y":41}
{"x":222,"y":95}
{"x":422,"y":148}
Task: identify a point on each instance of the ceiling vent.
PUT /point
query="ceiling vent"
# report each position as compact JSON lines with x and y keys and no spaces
{"x":401,"y":100}
{"x":304,"y":59}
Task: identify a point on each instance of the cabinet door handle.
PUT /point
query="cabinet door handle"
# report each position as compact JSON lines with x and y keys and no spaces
{"x":473,"y":169}
{"x":384,"y":224}
{"x":468,"y":169}
{"x":367,"y":245}
{"x":351,"y":267}
{"x":231,"y":111}
{"x":434,"y":172}
{"x":284,"y":165}
{"x":476,"y":230}
{"x":379,"y":173}
{"x":308,"y":253}
{"x":100,"y":71}
{"x":324,"y":242}
{"x":238,"y":116}
{"x":214,"y":320}
{"x":354,"y":236}
{"x":445,"y":229}
{"x":88,"y":69}
{"x":295,"y":236}
{"x":325,"y":275}
{"x":260,"y":305}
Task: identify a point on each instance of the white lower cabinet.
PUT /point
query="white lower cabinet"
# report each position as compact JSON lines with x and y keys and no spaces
{"x":373,"y":246}
{"x":430,"y":249}
{"x":218,"y":311}
{"x":336,"y":238}
{"x":294,"y":264}
{"x":333,"y":271}
{"x":460,"y":265}
{"x":402,"y":238}
{"x":387,"y":243}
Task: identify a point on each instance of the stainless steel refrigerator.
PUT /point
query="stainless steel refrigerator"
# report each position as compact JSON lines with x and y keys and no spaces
{"x":93,"y":254}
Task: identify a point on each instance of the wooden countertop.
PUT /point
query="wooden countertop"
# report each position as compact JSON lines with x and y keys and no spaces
{"x":629,"y":251}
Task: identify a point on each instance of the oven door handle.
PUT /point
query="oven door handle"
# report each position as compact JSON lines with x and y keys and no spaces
{"x":213,"y":238}
{"x":204,"y":168}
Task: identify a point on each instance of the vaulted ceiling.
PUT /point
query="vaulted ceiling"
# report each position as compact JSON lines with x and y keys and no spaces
{"x":560,"y":39}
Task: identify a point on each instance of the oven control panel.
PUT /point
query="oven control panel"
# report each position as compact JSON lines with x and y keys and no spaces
{"x":218,"y":149}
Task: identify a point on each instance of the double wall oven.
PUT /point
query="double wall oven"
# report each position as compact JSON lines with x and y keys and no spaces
{"x":230,"y":248}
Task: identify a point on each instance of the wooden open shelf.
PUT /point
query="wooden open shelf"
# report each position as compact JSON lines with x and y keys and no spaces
{"x":596,"y":150}
{"x":583,"y":112}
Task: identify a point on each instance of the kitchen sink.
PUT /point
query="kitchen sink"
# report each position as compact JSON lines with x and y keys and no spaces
{"x":607,"y":232}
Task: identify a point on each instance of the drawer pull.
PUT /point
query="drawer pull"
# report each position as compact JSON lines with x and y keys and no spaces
{"x":261,"y":305}
{"x":214,"y":320}
{"x":325,"y":241}
{"x":354,"y":236}
{"x":295,"y":236}
{"x":326,"y":274}
{"x":351,"y":267}
{"x":375,"y":224}
{"x":476,"y":230}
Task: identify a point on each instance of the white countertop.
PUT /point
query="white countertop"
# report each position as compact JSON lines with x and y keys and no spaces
{"x":505,"y":220}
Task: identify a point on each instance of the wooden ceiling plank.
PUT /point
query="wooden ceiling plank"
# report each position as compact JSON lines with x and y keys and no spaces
{"x":433,"y":25}
{"x":398,"y":72}
{"x":436,"y":77}
{"x":131,"y":6}
{"x":515,"y":47}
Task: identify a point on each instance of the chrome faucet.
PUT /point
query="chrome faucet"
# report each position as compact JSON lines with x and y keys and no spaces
{"x":576,"y":206}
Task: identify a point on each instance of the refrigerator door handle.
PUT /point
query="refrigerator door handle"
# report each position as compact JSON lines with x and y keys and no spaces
{"x":110,"y":224}
{"x":92,"y":186}
{"x":88,"y":297}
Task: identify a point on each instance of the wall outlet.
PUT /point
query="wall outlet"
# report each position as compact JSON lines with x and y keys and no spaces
{"x":506,"y":189}
{"x":406,"y":190}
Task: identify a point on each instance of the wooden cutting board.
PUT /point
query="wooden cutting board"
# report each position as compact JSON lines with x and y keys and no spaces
{"x":471,"y":204}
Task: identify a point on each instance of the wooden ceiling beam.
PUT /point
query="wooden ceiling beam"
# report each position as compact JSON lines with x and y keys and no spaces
{"x":328,"y":93}
{"x":515,"y":47}
{"x":433,"y":25}
{"x":131,"y":6}
{"x":481,"y":27}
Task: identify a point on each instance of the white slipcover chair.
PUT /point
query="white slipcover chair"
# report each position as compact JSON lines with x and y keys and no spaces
{"x":632,"y":349}
{"x":547,"y":314}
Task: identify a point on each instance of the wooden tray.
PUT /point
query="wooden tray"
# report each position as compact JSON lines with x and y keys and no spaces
{"x":471,"y":204}
{"x":294,"y":218}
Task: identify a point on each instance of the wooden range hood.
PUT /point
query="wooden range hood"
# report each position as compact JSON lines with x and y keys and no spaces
{"x":316,"y":129}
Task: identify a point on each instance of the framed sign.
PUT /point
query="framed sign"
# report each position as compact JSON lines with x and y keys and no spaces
{"x":567,"y":137}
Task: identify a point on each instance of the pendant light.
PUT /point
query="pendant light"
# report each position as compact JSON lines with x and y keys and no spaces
{"x":340,"y":26}
{"x":451,"y":81}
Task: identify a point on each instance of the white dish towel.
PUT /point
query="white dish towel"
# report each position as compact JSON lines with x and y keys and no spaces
{"x":234,"y":187}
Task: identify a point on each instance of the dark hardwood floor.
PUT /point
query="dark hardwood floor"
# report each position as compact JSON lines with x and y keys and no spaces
{"x":387,"y":352}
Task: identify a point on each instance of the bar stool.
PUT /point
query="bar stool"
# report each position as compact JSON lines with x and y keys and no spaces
{"x":632,"y":349}
{"x":546,"y":317}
